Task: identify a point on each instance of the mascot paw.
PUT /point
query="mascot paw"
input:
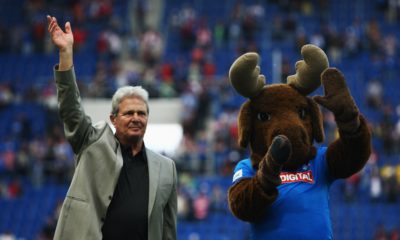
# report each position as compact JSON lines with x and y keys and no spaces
{"x":270,"y":168}
{"x":281,"y":149}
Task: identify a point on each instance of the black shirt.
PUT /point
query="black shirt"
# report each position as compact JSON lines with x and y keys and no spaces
{"x":127,"y":214}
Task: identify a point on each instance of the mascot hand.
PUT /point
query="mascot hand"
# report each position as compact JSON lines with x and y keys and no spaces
{"x":339,"y":100}
{"x":271,"y":165}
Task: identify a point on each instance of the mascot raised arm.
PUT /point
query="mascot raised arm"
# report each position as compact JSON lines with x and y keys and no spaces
{"x":283,"y":188}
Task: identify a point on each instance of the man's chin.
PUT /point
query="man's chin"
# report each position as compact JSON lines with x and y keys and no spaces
{"x":135,"y":135}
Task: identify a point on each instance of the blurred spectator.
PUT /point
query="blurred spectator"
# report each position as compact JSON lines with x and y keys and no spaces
{"x":109,"y":44}
{"x":209,"y":69}
{"x":6,"y":95}
{"x":80,"y":37}
{"x":352,"y":41}
{"x":375,"y":185}
{"x":184,"y":22}
{"x":374,"y":94}
{"x":373,"y":37}
{"x":277,"y":33}
{"x":101,"y":84}
{"x":190,"y":104}
{"x":219,"y":33}
{"x":397,"y":170}
{"x":394,"y":234}
{"x":15,"y":188}
{"x":100,"y":10}
{"x":396,"y":132}
{"x":286,"y":70}
{"x":385,"y":129}
{"x":380,"y":233}
{"x":47,"y":231}
{"x":38,"y":34}
{"x":201,"y":204}
{"x":390,"y":183}
{"x":7,"y":160}
{"x":186,"y":154}
{"x":218,"y":199}
{"x":204,"y":36}
{"x":151,"y":47}
{"x":7,"y":235}
{"x":3,"y":188}
{"x":167,"y":72}
{"x":23,"y":164}
{"x":63,"y":166}
{"x":184,"y":205}
{"x":390,"y":45}
{"x":331,"y":131}
{"x":351,"y":185}
{"x":38,"y":149}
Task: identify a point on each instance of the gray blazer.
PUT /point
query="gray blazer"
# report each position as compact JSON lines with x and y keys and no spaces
{"x":97,"y":167}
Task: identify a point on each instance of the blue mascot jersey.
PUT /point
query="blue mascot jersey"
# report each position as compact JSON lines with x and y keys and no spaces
{"x":301,"y":210}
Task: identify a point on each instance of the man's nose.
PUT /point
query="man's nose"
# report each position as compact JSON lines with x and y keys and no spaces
{"x":135,"y":117}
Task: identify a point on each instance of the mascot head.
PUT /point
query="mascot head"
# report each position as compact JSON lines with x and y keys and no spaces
{"x":280,"y":109}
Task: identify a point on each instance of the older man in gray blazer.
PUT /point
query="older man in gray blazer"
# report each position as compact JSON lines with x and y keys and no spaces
{"x":120,"y":188}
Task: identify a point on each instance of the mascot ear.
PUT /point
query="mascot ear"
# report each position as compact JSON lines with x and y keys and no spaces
{"x":316,"y":120}
{"x":244,"y":124}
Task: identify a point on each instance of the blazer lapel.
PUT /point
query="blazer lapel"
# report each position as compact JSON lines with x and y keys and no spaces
{"x":154,"y":174}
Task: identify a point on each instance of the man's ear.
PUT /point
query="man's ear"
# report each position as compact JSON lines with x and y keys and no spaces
{"x":112,"y":118}
{"x":244,"y":124}
{"x":316,"y":121}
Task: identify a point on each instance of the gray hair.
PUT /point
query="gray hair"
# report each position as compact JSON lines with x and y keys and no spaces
{"x":128,"y":91}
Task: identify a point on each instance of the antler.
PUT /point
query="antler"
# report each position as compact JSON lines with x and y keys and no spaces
{"x":308,"y":71}
{"x":244,"y":75}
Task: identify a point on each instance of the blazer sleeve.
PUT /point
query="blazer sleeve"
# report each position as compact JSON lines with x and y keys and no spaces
{"x":170,"y":210}
{"x":77,"y":125}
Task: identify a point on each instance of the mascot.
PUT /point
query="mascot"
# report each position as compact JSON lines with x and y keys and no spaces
{"x":283,"y":188}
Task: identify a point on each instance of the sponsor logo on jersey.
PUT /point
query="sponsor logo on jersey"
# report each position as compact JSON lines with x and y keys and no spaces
{"x":291,"y":177}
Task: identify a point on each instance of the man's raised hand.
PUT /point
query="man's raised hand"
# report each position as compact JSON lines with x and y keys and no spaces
{"x":63,"y":40}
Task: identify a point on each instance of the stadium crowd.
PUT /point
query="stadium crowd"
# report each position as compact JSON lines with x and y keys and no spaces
{"x":182,"y":59}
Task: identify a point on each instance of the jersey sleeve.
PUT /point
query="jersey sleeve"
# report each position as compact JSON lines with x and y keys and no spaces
{"x":322,"y":166}
{"x":243,"y":170}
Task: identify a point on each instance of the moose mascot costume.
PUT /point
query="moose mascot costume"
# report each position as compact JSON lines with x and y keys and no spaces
{"x":283,"y":188}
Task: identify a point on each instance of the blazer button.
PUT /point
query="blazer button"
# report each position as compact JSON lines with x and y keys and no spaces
{"x":110,"y":197}
{"x":102,"y":219}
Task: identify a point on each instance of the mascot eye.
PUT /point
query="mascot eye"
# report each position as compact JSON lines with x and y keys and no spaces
{"x":263,"y":116}
{"x":302,"y":113}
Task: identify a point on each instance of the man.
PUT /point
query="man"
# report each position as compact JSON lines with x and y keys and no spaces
{"x":120,"y":188}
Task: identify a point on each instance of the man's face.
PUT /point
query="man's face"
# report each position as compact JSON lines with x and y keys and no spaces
{"x":131,"y":121}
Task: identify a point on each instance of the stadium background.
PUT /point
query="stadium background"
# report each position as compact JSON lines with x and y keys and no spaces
{"x":181,"y":51}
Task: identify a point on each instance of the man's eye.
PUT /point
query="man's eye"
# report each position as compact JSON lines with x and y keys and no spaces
{"x":263,"y":116}
{"x":128,"y":114}
{"x":302,"y":113}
